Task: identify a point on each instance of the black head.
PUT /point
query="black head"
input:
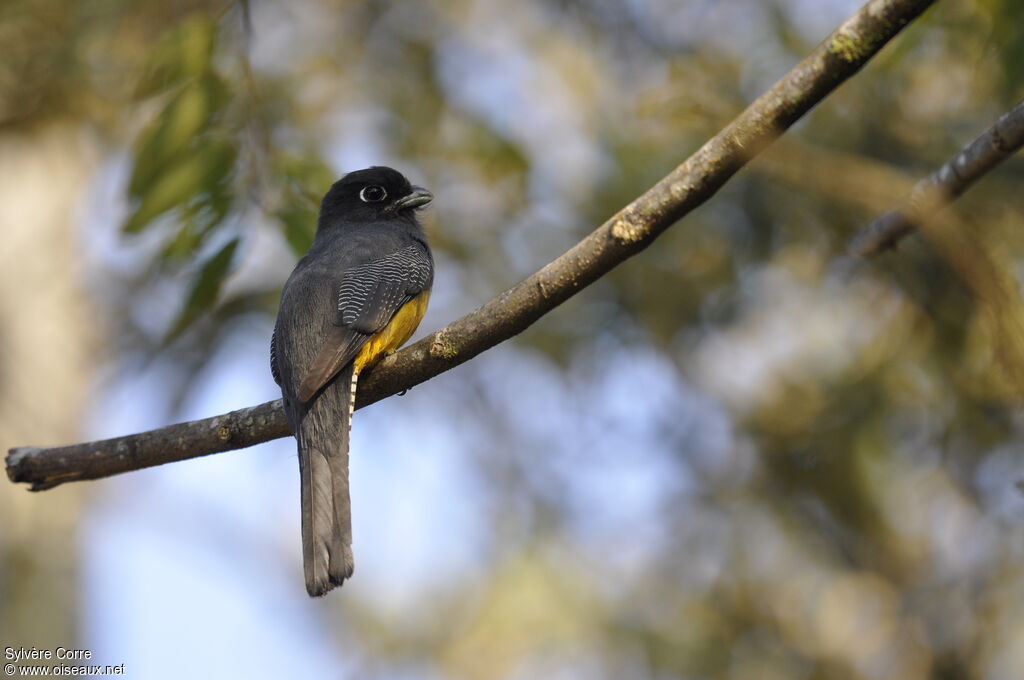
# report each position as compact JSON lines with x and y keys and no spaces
{"x":373,"y":194}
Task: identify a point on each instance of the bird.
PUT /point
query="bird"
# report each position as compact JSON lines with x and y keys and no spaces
{"x":356,"y":296}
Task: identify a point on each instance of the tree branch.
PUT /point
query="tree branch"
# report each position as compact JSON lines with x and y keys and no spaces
{"x":628,"y":232}
{"x":1003,"y":139}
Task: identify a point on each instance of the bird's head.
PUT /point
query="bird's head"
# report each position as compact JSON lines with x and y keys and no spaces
{"x":376,"y":193}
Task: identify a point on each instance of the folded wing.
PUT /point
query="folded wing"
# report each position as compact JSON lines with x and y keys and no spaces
{"x":367,"y":297}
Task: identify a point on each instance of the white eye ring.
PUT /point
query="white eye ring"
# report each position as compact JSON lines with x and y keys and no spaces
{"x":373,"y":194}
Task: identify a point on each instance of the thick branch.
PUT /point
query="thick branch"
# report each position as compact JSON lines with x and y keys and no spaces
{"x":1003,"y":139}
{"x":628,"y":232}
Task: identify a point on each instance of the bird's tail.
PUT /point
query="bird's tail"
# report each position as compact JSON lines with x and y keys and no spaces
{"x":323,"y":468}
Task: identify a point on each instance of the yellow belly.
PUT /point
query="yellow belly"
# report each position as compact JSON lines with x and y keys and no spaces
{"x":401,"y":327}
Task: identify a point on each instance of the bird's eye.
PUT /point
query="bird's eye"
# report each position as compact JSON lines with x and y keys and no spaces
{"x":373,"y":194}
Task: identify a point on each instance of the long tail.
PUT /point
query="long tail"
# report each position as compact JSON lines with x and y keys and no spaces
{"x":323,"y":467}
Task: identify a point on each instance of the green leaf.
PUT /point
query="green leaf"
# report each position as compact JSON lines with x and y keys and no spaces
{"x":307,"y":179}
{"x":203,"y":169}
{"x":205,"y":287}
{"x":201,"y":217}
{"x":308,"y":176}
{"x":299,"y":223}
{"x":186,"y":50}
{"x":175,"y":131}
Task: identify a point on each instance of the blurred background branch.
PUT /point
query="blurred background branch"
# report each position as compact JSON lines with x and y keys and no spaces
{"x":632,"y":229}
{"x":1000,"y":141}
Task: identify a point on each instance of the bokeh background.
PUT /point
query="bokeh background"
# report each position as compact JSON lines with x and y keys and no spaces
{"x":740,"y":455}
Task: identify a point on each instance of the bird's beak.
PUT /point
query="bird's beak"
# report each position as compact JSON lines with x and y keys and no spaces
{"x":415,"y":199}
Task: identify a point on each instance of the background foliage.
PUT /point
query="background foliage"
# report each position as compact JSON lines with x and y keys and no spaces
{"x":741,"y":454}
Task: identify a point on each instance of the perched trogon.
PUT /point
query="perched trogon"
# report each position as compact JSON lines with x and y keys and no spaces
{"x":356,"y":296}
